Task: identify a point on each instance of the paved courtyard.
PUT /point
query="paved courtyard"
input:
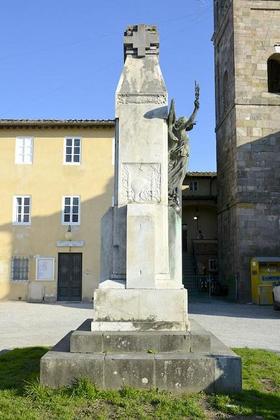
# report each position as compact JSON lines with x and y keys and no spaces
{"x":28,"y":324}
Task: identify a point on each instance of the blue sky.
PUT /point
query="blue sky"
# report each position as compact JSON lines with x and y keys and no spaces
{"x":63,"y":59}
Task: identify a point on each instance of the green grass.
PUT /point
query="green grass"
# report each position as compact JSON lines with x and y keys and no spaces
{"x":261,"y":387}
{"x":22,"y":397}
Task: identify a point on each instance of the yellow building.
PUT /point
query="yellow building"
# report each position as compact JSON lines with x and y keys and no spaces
{"x":56,"y":184}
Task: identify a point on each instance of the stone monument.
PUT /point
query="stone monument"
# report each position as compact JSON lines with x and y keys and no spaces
{"x":140,"y":334}
{"x":141,"y":285}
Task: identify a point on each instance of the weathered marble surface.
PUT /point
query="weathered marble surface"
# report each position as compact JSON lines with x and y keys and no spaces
{"x":141,"y":237}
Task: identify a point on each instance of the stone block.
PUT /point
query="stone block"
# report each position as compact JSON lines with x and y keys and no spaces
{"x":141,"y":247}
{"x":134,"y":342}
{"x":200,"y":342}
{"x":86,"y":342}
{"x":164,"y":308}
{"x":127,"y":342}
{"x":228,"y":373}
{"x":228,"y":367}
{"x":200,"y":339}
{"x":189,"y":373}
{"x":135,"y":370}
{"x":58,"y":369}
{"x":174,"y":342}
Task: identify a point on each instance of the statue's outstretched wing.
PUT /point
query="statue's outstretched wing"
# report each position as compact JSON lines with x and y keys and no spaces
{"x":172,"y":115}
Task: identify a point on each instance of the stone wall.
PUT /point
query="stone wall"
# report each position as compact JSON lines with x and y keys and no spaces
{"x":248,"y":138}
{"x":226,"y":138}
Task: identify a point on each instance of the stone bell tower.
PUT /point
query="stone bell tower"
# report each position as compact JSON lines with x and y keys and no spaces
{"x":247,"y":63}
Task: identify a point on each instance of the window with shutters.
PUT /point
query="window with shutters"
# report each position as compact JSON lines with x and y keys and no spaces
{"x":72,"y":151}
{"x":24,"y":150}
{"x":71,"y":210}
{"x":19,"y":269}
{"x":22,"y":210}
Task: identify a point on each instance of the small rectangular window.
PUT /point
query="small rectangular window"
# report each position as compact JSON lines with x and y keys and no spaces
{"x":71,"y":210}
{"x":20,"y":268}
{"x":22,"y":210}
{"x":24,"y":150}
{"x":72,"y":151}
{"x":194,"y":186}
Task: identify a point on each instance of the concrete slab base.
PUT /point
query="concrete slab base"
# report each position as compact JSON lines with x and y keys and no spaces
{"x":179,"y":362}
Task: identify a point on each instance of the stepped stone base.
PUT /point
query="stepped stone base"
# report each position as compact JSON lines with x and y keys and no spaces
{"x":189,"y":361}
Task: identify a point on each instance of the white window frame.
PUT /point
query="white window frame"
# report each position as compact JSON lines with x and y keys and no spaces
{"x":21,"y":143}
{"x":72,"y":154}
{"x":71,"y":213}
{"x":12,"y":272}
{"x":15,"y":210}
{"x":52,"y":259}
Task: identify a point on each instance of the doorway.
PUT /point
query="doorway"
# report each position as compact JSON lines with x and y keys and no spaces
{"x":69,"y":287}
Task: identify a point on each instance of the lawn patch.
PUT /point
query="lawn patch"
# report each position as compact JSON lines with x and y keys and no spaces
{"x":20,"y":365}
{"x":22,"y":397}
{"x":261,"y":387}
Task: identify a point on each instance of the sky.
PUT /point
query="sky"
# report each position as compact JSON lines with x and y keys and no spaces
{"x":63,"y":59}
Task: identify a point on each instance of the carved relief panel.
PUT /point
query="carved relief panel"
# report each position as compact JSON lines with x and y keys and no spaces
{"x":140,"y":183}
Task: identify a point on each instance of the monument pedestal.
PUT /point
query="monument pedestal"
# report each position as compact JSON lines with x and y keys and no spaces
{"x":140,"y":310}
{"x":180,"y":362}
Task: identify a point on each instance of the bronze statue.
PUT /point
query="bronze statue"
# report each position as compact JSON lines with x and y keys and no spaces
{"x":178,"y":150}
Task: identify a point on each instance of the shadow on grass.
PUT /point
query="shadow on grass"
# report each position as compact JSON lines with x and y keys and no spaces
{"x":248,"y":403}
{"x":18,"y":366}
{"x":266,"y":404}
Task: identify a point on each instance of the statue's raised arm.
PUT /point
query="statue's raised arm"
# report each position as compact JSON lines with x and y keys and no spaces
{"x":191,"y":121}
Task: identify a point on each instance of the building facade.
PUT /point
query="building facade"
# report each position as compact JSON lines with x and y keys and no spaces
{"x":247,"y":63}
{"x":56,"y":184}
{"x":199,"y":228}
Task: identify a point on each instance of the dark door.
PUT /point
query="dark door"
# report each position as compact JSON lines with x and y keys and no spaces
{"x":184,"y":238}
{"x":69,"y":277}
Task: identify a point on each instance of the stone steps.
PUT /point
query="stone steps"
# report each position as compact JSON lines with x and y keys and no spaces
{"x":191,"y":372}
{"x":126,"y":342}
{"x":176,"y":361}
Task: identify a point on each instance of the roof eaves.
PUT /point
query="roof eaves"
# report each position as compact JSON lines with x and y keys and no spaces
{"x":15,"y":123}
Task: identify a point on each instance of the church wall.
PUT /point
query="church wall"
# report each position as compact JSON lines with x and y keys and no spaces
{"x":252,"y":226}
{"x":226,"y":140}
{"x":256,"y":28}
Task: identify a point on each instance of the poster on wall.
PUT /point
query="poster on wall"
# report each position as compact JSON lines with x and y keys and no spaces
{"x":45,"y":268}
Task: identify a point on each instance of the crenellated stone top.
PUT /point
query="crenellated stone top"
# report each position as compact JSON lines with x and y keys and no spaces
{"x":141,"y":40}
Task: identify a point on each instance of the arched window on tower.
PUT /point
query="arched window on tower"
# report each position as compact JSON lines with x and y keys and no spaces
{"x":273,"y":73}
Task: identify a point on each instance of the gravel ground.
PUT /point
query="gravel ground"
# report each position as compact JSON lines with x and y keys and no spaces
{"x":25,"y":324}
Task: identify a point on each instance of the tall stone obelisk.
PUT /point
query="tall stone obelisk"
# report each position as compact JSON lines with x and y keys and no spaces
{"x":141,"y":281}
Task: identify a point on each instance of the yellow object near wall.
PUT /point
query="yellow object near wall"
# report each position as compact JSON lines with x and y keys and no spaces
{"x":265,"y":272}
{"x":47,"y":179}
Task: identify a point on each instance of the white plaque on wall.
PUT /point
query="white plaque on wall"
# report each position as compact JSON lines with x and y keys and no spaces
{"x":45,"y":268}
{"x":70,"y":244}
